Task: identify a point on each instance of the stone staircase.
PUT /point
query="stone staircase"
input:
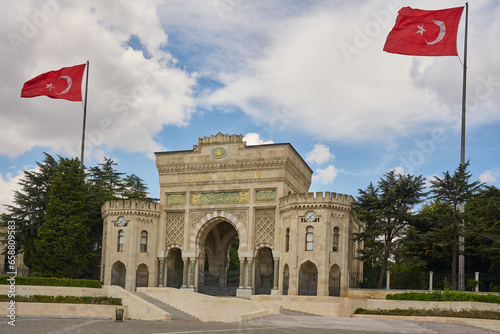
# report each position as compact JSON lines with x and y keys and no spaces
{"x":174,"y":312}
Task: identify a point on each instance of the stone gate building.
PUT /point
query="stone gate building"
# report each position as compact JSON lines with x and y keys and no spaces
{"x":232,"y":220}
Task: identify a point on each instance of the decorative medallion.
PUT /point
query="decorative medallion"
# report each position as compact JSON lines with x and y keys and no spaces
{"x":218,"y":153}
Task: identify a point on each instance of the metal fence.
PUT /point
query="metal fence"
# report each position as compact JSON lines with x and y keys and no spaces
{"x":366,"y":280}
{"x":478,"y":282}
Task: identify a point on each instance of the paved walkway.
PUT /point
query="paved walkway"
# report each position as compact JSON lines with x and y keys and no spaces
{"x":285,"y":323}
{"x":358,"y":325}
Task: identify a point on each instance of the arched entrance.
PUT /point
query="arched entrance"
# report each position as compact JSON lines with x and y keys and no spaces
{"x":118,"y":274}
{"x":264,"y":271}
{"x":142,"y":276}
{"x":308,"y":279}
{"x":334,"y":282}
{"x":219,"y":268}
{"x":175,"y":267}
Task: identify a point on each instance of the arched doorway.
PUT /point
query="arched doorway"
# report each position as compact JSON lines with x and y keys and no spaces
{"x":175,"y":267}
{"x":334,"y":281}
{"x":118,"y":274}
{"x":264,"y":271}
{"x":142,"y":276}
{"x":219,"y":270}
{"x":308,"y":279}
{"x":286,"y":279}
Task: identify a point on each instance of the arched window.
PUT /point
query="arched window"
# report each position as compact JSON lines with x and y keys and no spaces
{"x":120,"y":241}
{"x":336,"y":237}
{"x":287,"y":240}
{"x":144,"y":242}
{"x":309,"y":238}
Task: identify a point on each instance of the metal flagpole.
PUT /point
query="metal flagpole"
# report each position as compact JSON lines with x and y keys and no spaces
{"x":461,"y":239}
{"x":85,"y":114}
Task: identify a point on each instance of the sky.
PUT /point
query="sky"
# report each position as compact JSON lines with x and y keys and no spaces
{"x":310,"y":73}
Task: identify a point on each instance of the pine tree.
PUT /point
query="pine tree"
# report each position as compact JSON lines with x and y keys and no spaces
{"x":62,"y":242}
{"x":451,"y":191}
{"x":135,"y":188}
{"x":387,"y":211}
{"x":30,"y":205}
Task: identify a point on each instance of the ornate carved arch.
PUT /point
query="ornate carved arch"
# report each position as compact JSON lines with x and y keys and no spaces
{"x":194,"y":240}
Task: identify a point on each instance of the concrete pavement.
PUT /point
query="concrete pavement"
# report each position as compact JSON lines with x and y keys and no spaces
{"x":287,"y":322}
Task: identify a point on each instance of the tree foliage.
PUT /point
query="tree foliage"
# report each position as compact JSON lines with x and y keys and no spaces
{"x":451,"y":192}
{"x":387,"y":211}
{"x":62,"y":243}
{"x":101,"y":183}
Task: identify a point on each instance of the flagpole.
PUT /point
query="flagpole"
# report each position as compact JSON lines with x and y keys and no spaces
{"x":461,"y":239}
{"x":85,"y":114}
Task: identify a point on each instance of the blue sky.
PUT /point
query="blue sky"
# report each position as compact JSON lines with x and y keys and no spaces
{"x":310,"y":73}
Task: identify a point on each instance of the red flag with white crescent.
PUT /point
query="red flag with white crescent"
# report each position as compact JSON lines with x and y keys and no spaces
{"x":65,"y":83}
{"x":425,"y":32}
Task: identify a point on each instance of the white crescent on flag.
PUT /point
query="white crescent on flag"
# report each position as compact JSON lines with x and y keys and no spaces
{"x":442,"y":32}
{"x":68,"y":80}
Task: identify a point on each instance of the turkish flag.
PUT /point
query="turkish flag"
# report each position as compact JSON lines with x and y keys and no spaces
{"x":65,"y":83}
{"x":425,"y":32}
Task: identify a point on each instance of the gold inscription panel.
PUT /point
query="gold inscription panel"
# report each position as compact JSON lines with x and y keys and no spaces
{"x":265,"y":195}
{"x":222,"y":176}
{"x":220,"y":198}
{"x":176,"y":199}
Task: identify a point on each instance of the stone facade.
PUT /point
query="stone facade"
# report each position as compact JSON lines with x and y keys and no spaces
{"x":232,"y":220}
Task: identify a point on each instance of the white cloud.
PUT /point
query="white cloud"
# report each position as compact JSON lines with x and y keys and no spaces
{"x":489,"y":176}
{"x":399,"y":170}
{"x":254,"y":139}
{"x":325,"y":176}
{"x":320,"y":154}
{"x":130,"y":97}
{"x":369,"y":95}
{"x":8,"y":183}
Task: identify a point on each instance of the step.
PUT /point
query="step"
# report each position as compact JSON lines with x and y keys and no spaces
{"x":174,"y":312}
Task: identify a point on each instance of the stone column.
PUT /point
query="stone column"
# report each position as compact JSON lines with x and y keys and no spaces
{"x":249,"y":273}
{"x":162,"y":271}
{"x":276,"y":273}
{"x":191,"y":273}
{"x":185,"y":273}
{"x":242,"y":272}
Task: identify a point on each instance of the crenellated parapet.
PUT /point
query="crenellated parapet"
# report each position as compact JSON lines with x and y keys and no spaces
{"x":128,"y":207}
{"x":316,"y":200}
{"x":219,"y":139}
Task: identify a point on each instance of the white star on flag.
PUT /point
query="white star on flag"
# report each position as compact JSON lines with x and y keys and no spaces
{"x":421,"y":30}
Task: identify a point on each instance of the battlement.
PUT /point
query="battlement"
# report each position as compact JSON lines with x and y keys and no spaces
{"x":316,"y":198}
{"x":219,"y":139}
{"x":117,"y":205}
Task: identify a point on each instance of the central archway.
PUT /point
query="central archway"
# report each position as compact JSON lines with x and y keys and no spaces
{"x":219,"y":262}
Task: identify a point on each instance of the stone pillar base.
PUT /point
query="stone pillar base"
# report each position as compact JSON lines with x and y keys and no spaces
{"x":244,"y":293}
{"x":189,"y":289}
{"x":274,"y":292}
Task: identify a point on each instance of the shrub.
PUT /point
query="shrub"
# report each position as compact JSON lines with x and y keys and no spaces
{"x":63,"y":299}
{"x":445,"y":296}
{"x":53,"y":281}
